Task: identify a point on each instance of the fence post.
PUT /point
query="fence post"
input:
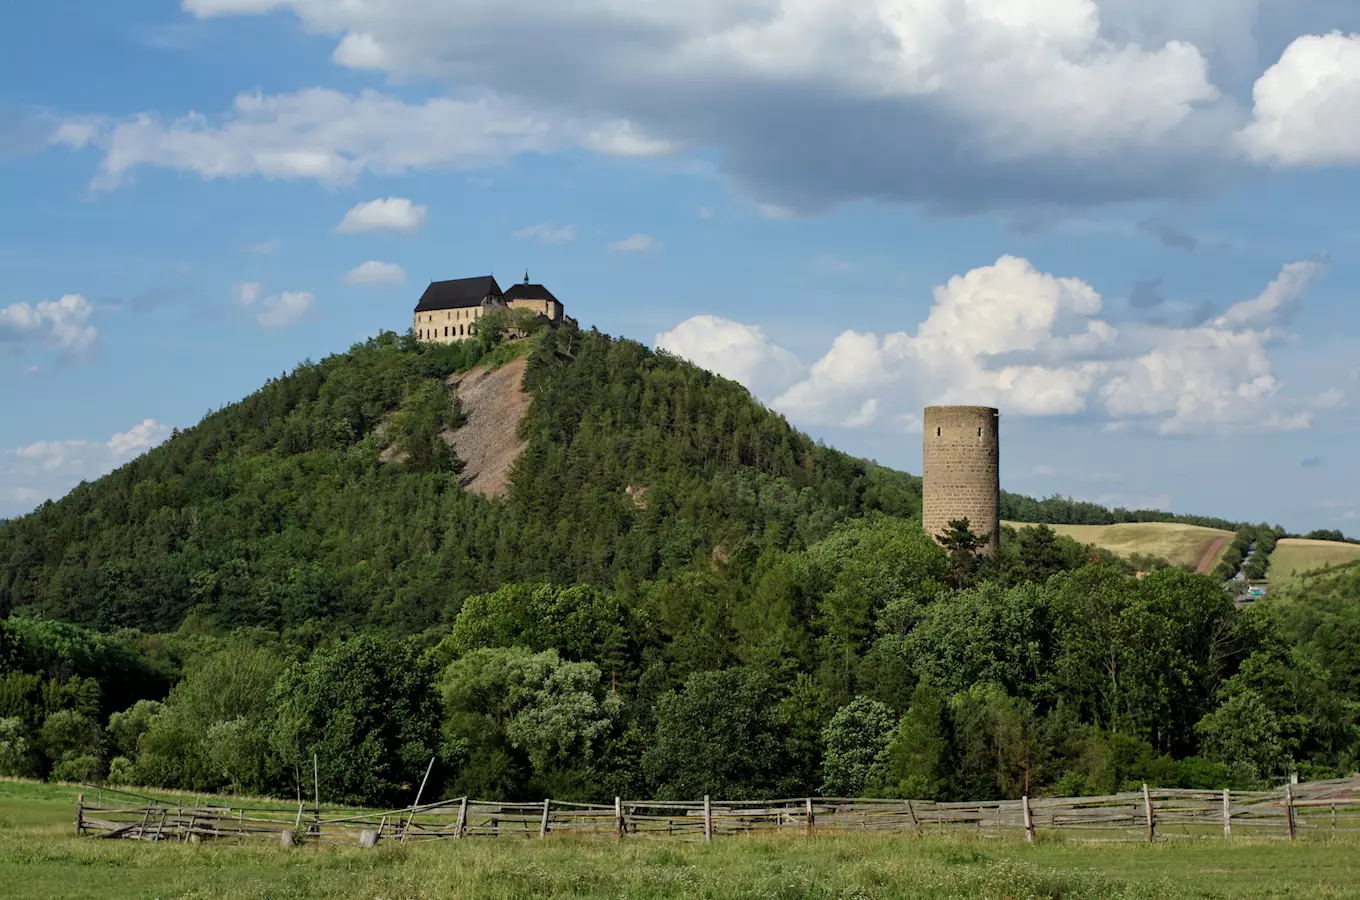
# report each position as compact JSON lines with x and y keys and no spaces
{"x":915,"y":822}
{"x":1029,"y":819}
{"x":414,"y":806}
{"x":460,"y":828}
{"x":811,"y":820}
{"x":80,"y":814}
{"x":1227,"y":814}
{"x":1333,"y":820}
{"x":708,"y":820}
{"x":618,"y":817}
{"x":1289,"y":810}
{"x":543,"y":826}
{"x":1147,"y":808}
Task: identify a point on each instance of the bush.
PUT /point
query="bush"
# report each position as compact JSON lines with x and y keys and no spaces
{"x":857,"y":734}
{"x":17,"y":758}
{"x":81,"y":768}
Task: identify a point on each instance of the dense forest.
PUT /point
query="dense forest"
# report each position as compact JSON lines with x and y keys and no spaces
{"x":679,"y":595}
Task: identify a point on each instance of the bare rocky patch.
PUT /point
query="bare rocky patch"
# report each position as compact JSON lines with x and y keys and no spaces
{"x":488,"y":441}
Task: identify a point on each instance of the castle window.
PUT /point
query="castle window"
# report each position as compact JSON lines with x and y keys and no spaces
{"x":979,"y":432}
{"x":937,"y":432}
{"x":446,"y":331}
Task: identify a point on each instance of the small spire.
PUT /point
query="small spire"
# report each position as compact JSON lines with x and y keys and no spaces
{"x":526,"y":276}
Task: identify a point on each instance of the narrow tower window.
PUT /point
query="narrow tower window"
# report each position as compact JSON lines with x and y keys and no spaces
{"x":937,"y":432}
{"x":979,"y":432}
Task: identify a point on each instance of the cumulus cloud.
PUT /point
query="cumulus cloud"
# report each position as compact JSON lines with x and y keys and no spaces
{"x":275,"y":311}
{"x":282,"y":310}
{"x":1307,"y":105}
{"x":1033,"y":344}
{"x":62,"y":324}
{"x":392,"y":214}
{"x":958,"y":103}
{"x":47,"y":469}
{"x":743,"y":353}
{"x":546,"y":233}
{"x":637,"y":243}
{"x":374,"y":272}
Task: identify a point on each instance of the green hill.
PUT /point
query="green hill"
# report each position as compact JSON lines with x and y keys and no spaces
{"x":569,"y":566}
{"x":279,"y":509}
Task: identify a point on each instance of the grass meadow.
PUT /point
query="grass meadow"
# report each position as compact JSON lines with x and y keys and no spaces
{"x":40,"y":856}
{"x":1179,"y":544}
{"x":1295,"y":556}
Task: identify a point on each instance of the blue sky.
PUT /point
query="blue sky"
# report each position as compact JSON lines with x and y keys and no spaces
{"x":1127,"y":223}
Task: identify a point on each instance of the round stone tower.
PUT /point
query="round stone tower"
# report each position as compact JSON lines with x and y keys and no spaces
{"x":960,"y":468}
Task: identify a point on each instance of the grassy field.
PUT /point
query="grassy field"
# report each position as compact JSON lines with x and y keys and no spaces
{"x":40,"y":856}
{"x":1295,"y":556}
{"x":1183,"y":545}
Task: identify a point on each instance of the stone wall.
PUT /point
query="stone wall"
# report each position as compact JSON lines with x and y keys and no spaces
{"x":960,"y":466}
{"x":446,"y":326}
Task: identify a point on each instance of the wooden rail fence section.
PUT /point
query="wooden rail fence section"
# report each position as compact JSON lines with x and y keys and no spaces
{"x":1317,"y":809}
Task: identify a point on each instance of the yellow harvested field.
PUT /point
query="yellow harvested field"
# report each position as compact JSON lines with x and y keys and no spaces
{"x":1180,"y":544}
{"x":1295,"y":556}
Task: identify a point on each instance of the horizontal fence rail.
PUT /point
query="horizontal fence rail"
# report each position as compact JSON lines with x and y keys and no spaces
{"x":1322,"y":808}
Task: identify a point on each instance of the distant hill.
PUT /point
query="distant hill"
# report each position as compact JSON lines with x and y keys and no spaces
{"x":1295,"y":557}
{"x":1192,"y":546}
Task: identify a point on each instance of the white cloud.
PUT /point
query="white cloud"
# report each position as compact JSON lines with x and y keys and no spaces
{"x":374,"y":272}
{"x":47,"y":469}
{"x":360,"y":51}
{"x":264,"y":248}
{"x":1034,"y":344}
{"x":246,"y":293}
{"x":743,"y":353}
{"x":1307,"y":105}
{"x":62,"y":324}
{"x":622,"y":139}
{"x":316,"y":134}
{"x":547,"y":234}
{"x":137,"y":439}
{"x":392,"y":214}
{"x":637,"y":243}
{"x":1329,"y":399}
{"x":1278,"y":301}
{"x":276,"y":310}
{"x":281,"y":310}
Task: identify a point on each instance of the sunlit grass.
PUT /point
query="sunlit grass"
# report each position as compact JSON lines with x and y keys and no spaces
{"x":40,"y":856}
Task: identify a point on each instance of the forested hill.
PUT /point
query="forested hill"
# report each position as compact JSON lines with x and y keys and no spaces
{"x":678,"y":595}
{"x":278,"y":510}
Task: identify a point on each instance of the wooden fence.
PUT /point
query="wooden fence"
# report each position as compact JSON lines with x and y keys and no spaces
{"x":1316,"y":809}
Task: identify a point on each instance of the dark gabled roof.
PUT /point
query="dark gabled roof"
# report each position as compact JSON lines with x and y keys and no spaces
{"x":529,"y":292}
{"x":459,"y":293}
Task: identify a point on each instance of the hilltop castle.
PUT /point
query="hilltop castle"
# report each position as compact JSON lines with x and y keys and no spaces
{"x":448,"y":311}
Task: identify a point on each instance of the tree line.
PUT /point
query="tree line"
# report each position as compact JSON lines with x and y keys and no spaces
{"x":860,"y":665}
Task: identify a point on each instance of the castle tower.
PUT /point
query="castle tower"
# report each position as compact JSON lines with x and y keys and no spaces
{"x":960,"y":467}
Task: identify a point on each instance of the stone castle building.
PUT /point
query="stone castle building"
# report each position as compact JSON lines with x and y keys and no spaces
{"x":960,"y":468}
{"x":448,"y":311}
